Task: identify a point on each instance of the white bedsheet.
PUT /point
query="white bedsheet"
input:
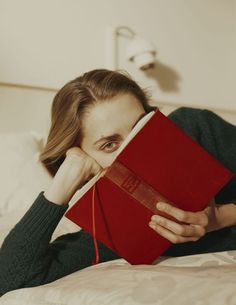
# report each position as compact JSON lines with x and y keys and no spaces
{"x":195,"y":279}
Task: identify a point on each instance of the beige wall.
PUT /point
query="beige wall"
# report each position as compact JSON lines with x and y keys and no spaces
{"x":47,"y":43}
{"x":27,"y":109}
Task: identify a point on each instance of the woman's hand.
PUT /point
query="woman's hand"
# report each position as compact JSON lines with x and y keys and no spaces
{"x":197,"y":223}
{"x":77,"y":168}
{"x":80,"y":167}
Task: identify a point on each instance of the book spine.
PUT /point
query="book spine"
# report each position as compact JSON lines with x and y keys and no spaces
{"x":133,"y":185}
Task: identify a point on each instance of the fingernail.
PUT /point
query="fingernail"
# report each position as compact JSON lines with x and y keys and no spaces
{"x":159,"y":205}
{"x":155,"y":218}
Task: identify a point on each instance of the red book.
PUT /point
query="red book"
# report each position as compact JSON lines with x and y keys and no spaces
{"x":158,"y":161}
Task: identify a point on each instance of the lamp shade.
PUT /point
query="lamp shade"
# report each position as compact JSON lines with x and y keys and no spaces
{"x":141,"y":51}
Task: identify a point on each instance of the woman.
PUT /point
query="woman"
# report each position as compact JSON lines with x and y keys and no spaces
{"x":90,"y":118}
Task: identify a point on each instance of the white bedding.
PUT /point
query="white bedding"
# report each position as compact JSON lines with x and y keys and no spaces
{"x":196,"y":279}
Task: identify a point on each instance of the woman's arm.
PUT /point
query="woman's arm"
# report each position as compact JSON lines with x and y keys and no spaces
{"x":27,"y":258}
{"x":24,"y":251}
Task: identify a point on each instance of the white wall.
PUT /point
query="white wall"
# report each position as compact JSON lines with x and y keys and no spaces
{"x":49,"y":42}
{"x":30,"y":110}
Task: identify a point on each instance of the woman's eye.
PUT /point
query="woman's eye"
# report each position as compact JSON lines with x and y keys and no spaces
{"x":110,"y":147}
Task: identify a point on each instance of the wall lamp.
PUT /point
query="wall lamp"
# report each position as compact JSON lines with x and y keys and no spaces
{"x":138,"y":50}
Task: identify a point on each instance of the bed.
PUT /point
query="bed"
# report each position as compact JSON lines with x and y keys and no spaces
{"x":195,"y":279}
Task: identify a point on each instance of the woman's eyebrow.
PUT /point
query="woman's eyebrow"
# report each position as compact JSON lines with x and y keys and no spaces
{"x":116,"y":136}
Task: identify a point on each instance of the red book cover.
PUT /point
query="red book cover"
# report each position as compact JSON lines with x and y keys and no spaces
{"x":158,"y":161}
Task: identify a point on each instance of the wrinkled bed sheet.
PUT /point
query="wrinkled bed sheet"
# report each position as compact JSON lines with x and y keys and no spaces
{"x":208,"y":278}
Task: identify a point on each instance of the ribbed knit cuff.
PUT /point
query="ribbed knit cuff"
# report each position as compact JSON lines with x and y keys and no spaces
{"x":42,"y":218}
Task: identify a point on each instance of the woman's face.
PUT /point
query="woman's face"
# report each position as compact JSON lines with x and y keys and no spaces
{"x":106,"y":126}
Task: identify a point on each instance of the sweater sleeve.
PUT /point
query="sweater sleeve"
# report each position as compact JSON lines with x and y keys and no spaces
{"x":27,"y":258}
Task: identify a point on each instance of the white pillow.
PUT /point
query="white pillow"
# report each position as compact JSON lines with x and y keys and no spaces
{"x":23,"y":177}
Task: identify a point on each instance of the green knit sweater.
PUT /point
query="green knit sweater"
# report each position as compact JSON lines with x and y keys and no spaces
{"x":29,"y":258}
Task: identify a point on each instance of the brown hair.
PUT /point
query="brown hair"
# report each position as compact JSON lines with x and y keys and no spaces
{"x":73,"y":100}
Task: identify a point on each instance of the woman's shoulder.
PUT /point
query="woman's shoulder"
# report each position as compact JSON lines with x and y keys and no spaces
{"x":198,"y":121}
{"x":189,"y":119}
{"x":187,"y":112}
{"x":201,"y":116}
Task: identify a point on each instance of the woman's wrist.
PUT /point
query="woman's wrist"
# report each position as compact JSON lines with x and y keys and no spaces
{"x":227,"y":215}
{"x":64,"y":184}
{"x":57,"y":195}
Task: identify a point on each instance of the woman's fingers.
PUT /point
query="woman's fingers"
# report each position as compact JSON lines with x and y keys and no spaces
{"x":178,"y":229}
{"x":193,"y":225}
{"x":171,"y":236}
{"x":197,"y":218}
{"x":74,"y":151}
